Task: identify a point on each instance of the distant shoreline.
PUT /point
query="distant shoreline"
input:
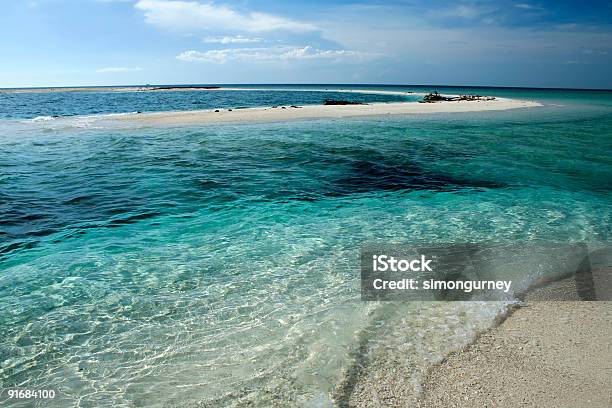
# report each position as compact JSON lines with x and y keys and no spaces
{"x":147,"y":87}
{"x":170,"y":88}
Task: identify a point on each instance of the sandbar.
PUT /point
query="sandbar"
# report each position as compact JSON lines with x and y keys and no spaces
{"x":288,"y":113}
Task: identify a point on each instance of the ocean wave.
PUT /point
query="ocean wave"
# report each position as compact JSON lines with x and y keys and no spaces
{"x":73,"y":121}
{"x":115,"y":114}
{"x":42,"y":119}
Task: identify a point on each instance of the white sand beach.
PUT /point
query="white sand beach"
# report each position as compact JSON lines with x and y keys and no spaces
{"x":547,"y":354}
{"x":552,"y":353}
{"x":286,"y":113}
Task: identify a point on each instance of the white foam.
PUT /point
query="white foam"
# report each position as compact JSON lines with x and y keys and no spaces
{"x":42,"y":119}
{"x":96,"y":121}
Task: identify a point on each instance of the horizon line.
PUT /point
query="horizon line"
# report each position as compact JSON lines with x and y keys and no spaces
{"x":309,"y":84}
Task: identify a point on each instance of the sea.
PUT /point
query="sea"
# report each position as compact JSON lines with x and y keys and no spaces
{"x":218,"y":265}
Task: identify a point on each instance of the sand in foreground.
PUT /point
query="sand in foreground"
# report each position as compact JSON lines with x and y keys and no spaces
{"x":546,"y":354}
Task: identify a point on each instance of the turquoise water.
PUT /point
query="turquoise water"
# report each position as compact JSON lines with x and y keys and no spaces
{"x":220,"y":264}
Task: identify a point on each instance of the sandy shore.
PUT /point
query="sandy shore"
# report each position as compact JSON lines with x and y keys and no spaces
{"x":319,"y":111}
{"x":546,"y":354}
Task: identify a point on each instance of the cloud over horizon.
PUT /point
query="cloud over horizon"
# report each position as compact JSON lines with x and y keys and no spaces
{"x":514,"y":43}
{"x":269,"y":54}
{"x":238,"y":39}
{"x":192,"y":15}
{"x":115,"y":70}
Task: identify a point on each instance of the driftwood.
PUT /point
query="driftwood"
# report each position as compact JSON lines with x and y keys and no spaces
{"x":474,"y":98}
{"x":436,"y":97}
{"x":341,"y":102}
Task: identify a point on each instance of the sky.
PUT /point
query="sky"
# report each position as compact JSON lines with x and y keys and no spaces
{"x":539,"y":43}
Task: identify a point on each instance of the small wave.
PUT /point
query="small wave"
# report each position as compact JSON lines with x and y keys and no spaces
{"x":95,"y":116}
{"x":105,"y":115}
{"x":95,"y":121}
{"x":42,"y":119}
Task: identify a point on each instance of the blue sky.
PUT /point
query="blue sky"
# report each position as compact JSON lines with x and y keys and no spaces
{"x":479,"y":42}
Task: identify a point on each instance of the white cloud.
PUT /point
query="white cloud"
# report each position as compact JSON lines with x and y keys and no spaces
{"x":575,"y":62}
{"x":269,"y":54}
{"x":192,"y":15}
{"x":568,"y":26}
{"x":527,"y":6}
{"x":116,"y":70}
{"x":239,"y":39}
{"x":590,"y":51}
{"x":463,"y":11}
{"x":415,"y":39}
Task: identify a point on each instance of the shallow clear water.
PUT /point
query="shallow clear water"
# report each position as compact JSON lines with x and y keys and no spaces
{"x":142,"y":267}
